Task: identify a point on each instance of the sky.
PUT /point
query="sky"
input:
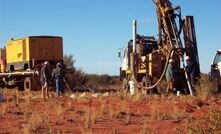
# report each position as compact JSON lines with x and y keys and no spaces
{"x":93,"y":30}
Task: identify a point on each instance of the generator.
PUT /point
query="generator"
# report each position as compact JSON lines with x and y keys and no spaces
{"x":22,"y":59}
{"x":27,"y":52}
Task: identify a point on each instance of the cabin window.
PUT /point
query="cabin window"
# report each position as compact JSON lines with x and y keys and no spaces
{"x":217,"y":58}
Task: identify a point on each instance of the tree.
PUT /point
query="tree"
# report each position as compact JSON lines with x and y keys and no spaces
{"x":77,"y":77}
{"x":69,"y":61}
{"x":73,"y":76}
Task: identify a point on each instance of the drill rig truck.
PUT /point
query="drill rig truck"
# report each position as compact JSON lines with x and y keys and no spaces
{"x":215,"y":73}
{"x":21,"y":60}
{"x":146,"y":58}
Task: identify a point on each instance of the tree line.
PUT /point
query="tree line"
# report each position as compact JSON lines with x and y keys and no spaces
{"x":77,"y":77}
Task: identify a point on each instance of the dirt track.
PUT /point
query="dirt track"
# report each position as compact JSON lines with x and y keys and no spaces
{"x":116,"y":113}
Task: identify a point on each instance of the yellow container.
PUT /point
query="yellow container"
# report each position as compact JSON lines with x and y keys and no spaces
{"x":26,"y":53}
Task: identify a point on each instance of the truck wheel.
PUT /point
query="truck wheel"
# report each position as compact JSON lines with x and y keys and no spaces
{"x":28,"y":84}
{"x":31,"y":83}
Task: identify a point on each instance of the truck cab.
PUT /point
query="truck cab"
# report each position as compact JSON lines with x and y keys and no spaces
{"x":216,"y":66}
{"x":124,"y":55}
{"x":144,"y":46}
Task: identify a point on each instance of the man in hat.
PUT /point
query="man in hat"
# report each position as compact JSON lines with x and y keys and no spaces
{"x":191,"y":70}
{"x":58,"y":75}
{"x":169,"y":76}
{"x":44,"y":79}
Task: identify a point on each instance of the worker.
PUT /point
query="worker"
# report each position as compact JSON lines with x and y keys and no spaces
{"x":58,"y":76}
{"x":191,"y":70}
{"x":45,"y":79}
{"x":170,"y":76}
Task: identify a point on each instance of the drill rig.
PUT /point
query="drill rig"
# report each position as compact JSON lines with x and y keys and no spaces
{"x":146,"y":59}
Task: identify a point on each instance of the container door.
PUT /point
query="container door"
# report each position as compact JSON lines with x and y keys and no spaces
{"x":24,"y":55}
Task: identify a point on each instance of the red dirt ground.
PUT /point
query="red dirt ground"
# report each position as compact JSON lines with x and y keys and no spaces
{"x":114,"y":113}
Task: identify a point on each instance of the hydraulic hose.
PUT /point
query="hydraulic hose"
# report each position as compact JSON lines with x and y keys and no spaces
{"x":161,"y":77}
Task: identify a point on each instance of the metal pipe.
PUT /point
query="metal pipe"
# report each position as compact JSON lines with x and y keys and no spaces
{"x":187,"y":79}
{"x":134,"y":35}
{"x":150,"y":65}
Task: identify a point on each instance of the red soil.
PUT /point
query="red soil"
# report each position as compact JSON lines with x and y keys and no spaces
{"x":114,"y":114}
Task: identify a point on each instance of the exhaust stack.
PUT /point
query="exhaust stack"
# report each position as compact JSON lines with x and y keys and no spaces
{"x":134,"y":35}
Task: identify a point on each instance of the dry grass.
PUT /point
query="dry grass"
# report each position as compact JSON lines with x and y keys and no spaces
{"x":4,"y":109}
{"x":90,"y":116}
{"x":208,"y":124}
{"x":26,"y":109}
{"x":87,"y":131}
{"x":112,"y":112}
{"x":177,"y":113}
{"x":157,"y":113}
{"x":33,"y":123}
{"x":86,"y":118}
{"x":94,"y":116}
{"x":60,"y":112}
{"x":116,"y":107}
{"x":122,"y":95}
{"x":128,"y":119}
{"x":205,"y":87}
{"x":138,"y":97}
{"x":16,"y":96}
{"x":113,"y":131}
{"x":124,"y":107}
{"x":145,"y":130}
{"x":102,"y":106}
{"x":162,"y":87}
{"x":50,"y":131}
{"x":45,"y":115}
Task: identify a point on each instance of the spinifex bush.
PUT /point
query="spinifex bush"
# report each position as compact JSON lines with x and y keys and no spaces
{"x":209,"y":124}
{"x":128,"y":118}
{"x":33,"y":123}
{"x":89,"y":117}
{"x":205,"y":87}
{"x":16,"y":96}
{"x":161,"y":87}
{"x":4,"y":109}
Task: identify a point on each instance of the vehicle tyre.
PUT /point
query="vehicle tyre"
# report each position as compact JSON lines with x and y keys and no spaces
{"x":30,"y":84}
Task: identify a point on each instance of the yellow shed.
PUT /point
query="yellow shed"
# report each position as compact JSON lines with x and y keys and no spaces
{"x":26,"y":53}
